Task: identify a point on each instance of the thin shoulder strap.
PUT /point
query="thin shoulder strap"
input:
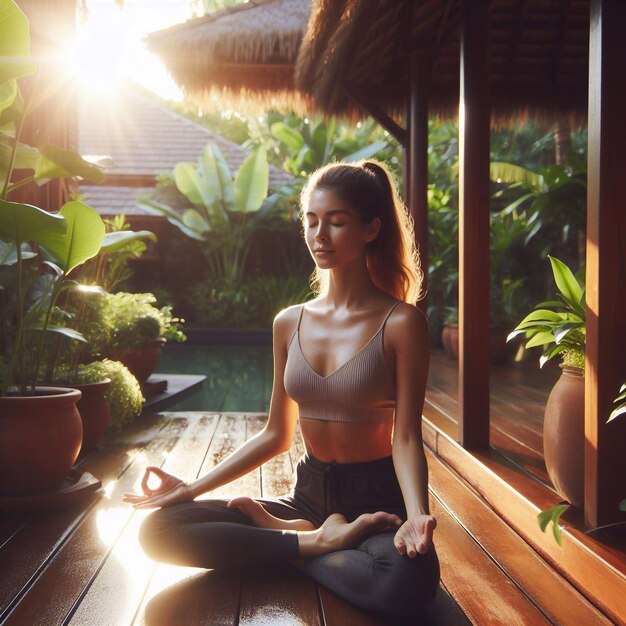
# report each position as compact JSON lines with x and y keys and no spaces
{"x":300,"y":317}
{"x":391,"y":310}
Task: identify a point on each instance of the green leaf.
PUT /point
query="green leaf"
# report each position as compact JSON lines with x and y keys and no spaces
{"x":553,"y":515}
{"x":70,"y":333}
{"x":207,"y":166}
{"x":563,"y":330}
{"x":225,"y":178}
{"x":620,"y":410}
{"x":540,"y":339}
{"x":186,"y":230}
{"x":8,"y":93}
{"x":55,"y":162}
{"x":83,"y":239}
{"x":550,"y":353}
{"x":366,"y":152}
{"x":511,"y":173}
{"x":192,"y":219}
{"x":567,"y":284}
{"x":8,"y":253}
{"x":157,"y":208}
{"x":13,"y":112}
{"x":252,"y":182}
{"x":287,"y":135}
{"x":14,"y":42}
{"x":25,"y":222}
{"x":190,"y":184}
{"x":541,"y":315}
{"x":115,"y":241}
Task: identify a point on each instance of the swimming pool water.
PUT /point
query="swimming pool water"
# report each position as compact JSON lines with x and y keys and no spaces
{"x":239,"y":378}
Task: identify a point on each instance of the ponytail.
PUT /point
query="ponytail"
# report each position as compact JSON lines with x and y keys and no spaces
{"x":392,"y":258}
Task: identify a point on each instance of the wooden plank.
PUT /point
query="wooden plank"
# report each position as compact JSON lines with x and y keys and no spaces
{"x":605,"y":365}
{"x":41,"y":535}
{"x":598,"y":573}
{"x":539,"y":581}
{"x":205,"y":598}
{"x":279,"y":595}
{"x":80,"y":557}
{"x":106,"y":597}
{"x":229,"y":436}
{"x":477,"y":584}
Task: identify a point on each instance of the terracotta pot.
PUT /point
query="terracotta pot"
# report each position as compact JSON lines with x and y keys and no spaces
{"x":564,"y":435}
{"x":450,"y":339}
{"x":40,"y":438}
{"x":144,"y":359}
{"x":94,"y":410}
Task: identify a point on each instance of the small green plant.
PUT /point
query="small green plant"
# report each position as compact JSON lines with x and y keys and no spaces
{"x":560,"y":329}
{"x":85,"y":374}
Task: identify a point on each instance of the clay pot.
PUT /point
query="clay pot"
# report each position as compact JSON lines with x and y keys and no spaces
{"x":95,"y":413}
{"x":144,"y":359}
{"x":450,"y":340}
{"x":40,"y":438}
{"x":564,"y":435}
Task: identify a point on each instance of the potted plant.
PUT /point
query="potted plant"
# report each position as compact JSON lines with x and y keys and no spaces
{"x":41,"y":428}
{"x":559,"y":327}
{"x":134,"y":331}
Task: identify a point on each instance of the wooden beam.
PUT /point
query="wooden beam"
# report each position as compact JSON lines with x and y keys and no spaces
{"x":418,"y":150}
{"x":605,"y":362}
{"x":474,"y":193}
{"x":388,"y":123}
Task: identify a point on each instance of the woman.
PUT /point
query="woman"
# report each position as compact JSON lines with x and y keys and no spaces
{"x":352,"y":366}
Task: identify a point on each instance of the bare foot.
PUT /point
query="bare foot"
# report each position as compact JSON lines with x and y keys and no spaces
{"x":337,"y":534}
{"x":261,"y":518}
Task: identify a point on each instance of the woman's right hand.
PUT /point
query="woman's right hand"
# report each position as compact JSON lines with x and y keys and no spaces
{"x":171,"y":491}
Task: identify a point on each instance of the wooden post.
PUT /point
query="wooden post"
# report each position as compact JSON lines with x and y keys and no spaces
{"x":605,"y":361}
{"x":418,"y":159}
{"x":474,"y":196}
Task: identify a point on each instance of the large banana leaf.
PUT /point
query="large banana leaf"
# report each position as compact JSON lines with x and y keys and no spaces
{"x":83,"y":239}
{"x":287,"y":135}
{"x":8,"y":93}
{"x":14,"y":42}
{"x":115,"y":241}
{"x":252,"y":181}
{"x":225,"y":177}
{"x":367,"y":152}
{"x":207,"y":166}
{"x":192,"y":219}
{"x":25,"y":222}
{"x":191,"y":185}
{"x":500,"y":171}
{"x":157,"y":208}
{"x":55,"y":162}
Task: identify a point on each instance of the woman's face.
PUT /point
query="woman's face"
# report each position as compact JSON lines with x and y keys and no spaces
{"x":334,"y":231}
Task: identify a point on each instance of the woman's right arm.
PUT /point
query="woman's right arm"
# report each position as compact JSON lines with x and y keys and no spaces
{"x":275,"y":438}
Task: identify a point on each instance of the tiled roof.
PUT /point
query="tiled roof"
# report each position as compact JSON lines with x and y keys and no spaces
{"x":145,"y":138}
{"x":109,"y":200}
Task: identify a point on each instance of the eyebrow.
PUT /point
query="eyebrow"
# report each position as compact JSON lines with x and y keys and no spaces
{"x":329,"y":213}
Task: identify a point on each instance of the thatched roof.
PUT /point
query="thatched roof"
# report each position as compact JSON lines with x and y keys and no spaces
{"x":243,"y":53}
{"x":538,"y":55}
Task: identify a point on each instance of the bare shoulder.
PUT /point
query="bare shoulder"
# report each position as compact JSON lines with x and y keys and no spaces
{"x":407,"y":322}
{"x":285,"y":323}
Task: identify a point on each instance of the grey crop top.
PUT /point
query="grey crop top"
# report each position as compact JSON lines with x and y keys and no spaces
{"x":360,"y":391}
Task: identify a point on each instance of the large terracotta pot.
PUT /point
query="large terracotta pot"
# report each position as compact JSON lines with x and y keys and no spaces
{"x":40,"y":438}
{"x":564,"y":435}
{"x":144,"y":359}
{"x":94,"y":410}
{"x":450,"y":340}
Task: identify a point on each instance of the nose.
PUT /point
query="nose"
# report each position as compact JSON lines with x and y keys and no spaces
{"x":320,"y":233}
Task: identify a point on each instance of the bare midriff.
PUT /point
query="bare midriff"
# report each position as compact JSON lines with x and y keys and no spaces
{"x":343,"y":442}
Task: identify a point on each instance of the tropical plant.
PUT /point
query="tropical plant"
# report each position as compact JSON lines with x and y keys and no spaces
{"x":620,"y":409}
{"x":37,"y":249}
{"x":559,"y":329}
{"x":224,"y":212}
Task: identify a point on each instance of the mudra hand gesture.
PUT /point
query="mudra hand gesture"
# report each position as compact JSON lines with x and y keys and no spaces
{"x":172,"y":490}
{"x":415,"y":535}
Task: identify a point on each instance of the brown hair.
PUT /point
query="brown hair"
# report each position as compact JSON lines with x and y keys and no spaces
{"x":392,"y":259}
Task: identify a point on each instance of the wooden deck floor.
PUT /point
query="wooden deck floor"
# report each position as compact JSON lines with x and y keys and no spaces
{"x":83,"y":565}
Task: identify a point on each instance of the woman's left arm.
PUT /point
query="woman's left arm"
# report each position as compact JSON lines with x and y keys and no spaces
{"x":408,"y":331}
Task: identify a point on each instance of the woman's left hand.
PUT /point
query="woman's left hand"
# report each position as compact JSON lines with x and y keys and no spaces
{"x":415,"y":535}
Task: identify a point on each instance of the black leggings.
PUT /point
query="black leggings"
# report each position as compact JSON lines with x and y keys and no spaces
{"x":373,"y":575}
